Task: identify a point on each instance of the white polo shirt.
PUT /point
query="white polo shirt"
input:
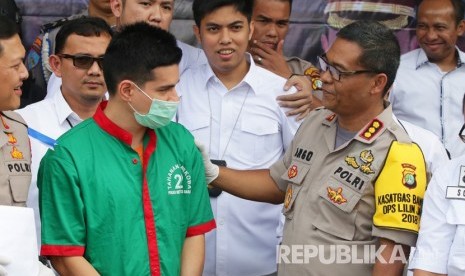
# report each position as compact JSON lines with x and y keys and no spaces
{"x":427,"y":97}
{"x":51,"y":117}
{"x":441,"y":241}
{"x":249,"y":130}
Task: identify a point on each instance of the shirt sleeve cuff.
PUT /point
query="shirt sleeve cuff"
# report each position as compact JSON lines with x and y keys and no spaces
{"x":396,"y":235}
{"x":62,"y":250}
{"x":201,"y":228}
{"x":429,"y":261}
{"x":276,"y":171}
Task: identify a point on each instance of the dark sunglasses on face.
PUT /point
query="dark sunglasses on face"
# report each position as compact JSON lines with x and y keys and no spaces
{"x":84,"y":61}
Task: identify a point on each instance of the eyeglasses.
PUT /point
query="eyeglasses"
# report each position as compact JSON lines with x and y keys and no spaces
{"x":336,"y":73}
{"x":461,"y":135}
{"x":84,"y":61}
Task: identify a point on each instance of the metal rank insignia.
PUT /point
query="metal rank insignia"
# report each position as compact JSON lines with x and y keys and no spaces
{"x":372,"y":129}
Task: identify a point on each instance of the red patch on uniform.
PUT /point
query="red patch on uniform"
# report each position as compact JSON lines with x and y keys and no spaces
{"x":331,"y":117}
{"x":292,"y":172}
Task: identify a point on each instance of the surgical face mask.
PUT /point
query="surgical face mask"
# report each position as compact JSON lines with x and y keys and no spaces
{"x":159,"y":115}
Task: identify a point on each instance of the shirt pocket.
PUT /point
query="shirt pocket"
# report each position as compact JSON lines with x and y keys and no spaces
{"x":337,"y":211}
{"x":19,"y":186}
{"x":199,"y":125}
{"x":260,"y":139}
{"x":295,"y":176}
{"x":454,"y":216}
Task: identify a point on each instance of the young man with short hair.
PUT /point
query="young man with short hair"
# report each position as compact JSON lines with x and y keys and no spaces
{"x":124,"y":193}
{"x":230,"y":105}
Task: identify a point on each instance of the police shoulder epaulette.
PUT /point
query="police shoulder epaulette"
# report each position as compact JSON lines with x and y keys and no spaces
{"x":371,"y":130}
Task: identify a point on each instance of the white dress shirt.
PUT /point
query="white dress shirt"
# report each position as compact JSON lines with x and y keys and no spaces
{"x":427,"y":97}
{"x":249,"y":130}
{"x":191,"y":57}
{"x":441,"y":242}
{"x":51,"y":117}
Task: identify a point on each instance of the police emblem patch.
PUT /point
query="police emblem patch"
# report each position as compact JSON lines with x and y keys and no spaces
{"x":314,"y":74}
{"x":292,"y":172}
{"x":16,"y":154}
{"x":336,"y":195}
{"x":409,"y":176}
{"x":365,"y":158}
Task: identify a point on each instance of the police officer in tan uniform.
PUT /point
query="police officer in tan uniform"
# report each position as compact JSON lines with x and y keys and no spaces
{"x":352,"y":182}
{"x":15,"y":154}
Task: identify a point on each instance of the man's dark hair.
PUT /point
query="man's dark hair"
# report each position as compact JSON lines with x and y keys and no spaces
{"x":202,"y":8}
{"x":135,"y":52}
{"x":83,"y":26}
{"x":290,"y":3}
{"x":459,"y":10}
{"x":8,"y":29}
{"x":380,"y":48}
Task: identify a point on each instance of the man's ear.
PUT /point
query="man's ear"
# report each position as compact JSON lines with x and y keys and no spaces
{"x":197,"y":33}
{"x":461,"y":28}
{"x":55,"y":64}
{"x":116,"y":7}
{"x":125,"y":90}
{"x":252,"y":27}
{"x":379,"y":84}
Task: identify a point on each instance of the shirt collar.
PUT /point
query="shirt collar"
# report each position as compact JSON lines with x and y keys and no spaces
{"x":422,"y":59}
{"x":109,"y":126}
{"x":62,"y":108}
{"x":250,"y":78}
{"x":370,"y":131}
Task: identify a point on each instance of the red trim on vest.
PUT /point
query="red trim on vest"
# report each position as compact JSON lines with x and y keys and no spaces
{"x":201,"y":228}
{"x":149,"y":217}
{"x":106,"y":124}
{"x":62,"y":250}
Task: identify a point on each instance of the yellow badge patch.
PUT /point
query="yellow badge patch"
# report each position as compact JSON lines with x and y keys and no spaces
{"x":288,"y":197}
{"x":16,"y":154}
{"x":292,"y":172}
{"x":400,"y":188}
{"x":336,"y":195}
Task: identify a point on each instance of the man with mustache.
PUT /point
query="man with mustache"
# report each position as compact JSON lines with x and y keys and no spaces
{"x":80,"y":46}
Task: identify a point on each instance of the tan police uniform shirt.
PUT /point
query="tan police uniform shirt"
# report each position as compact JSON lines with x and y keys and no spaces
{"x":15,"y":157}
{"x":331,"y":198}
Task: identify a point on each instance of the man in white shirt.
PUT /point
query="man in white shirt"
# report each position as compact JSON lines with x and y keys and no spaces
{"x":440,"y":245}
{"x":230,"y":106}
{"x":80,"y":46}
{"x":429,"y":85}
